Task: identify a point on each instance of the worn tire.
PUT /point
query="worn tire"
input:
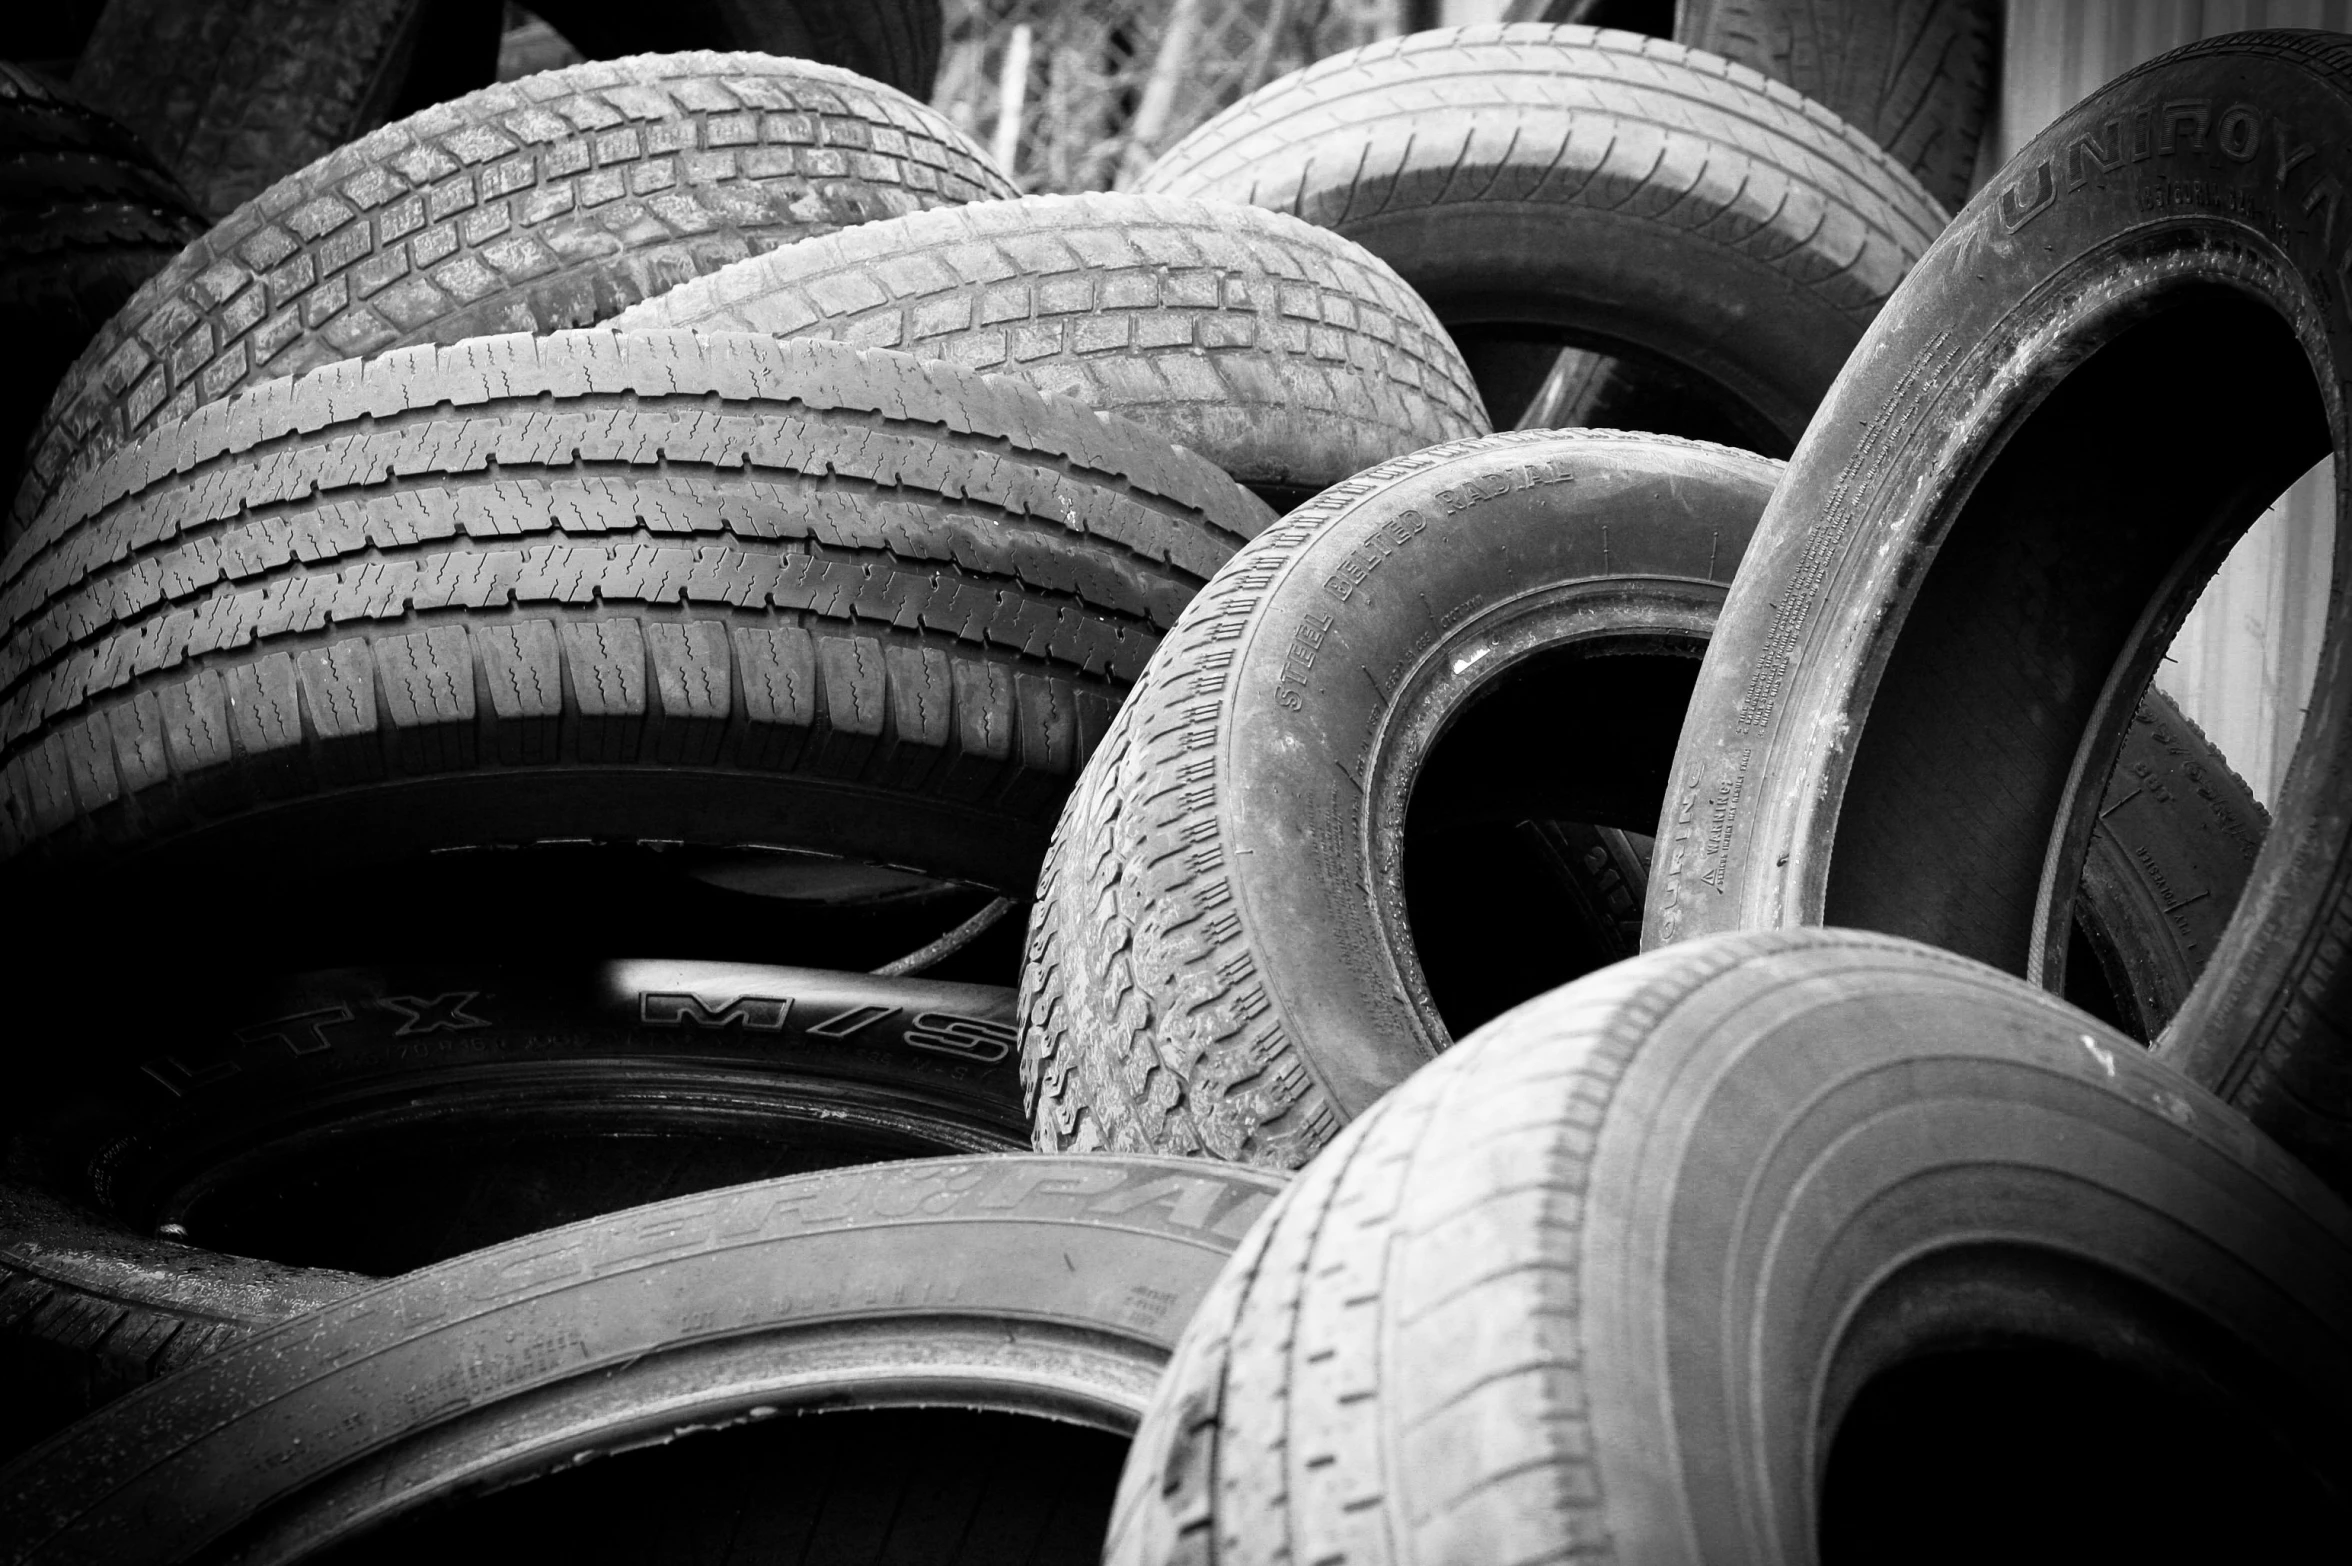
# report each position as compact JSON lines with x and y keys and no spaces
{"x":555,"y":201}
{"x":596,"y":585}
{"x":379,"y":1121}
{"x":1955,"y":597}
{"x":1541,"y":185}
{"x":233,"y":95}
{"x":86,"y":216}
{"x":895,"y":42}
{"x":88,"y":1310}
{"x":1918,"y":77}
{"x":1619,"y":1267}
{"x":1299,"y":866}
{"x":1285,"y":354}
{"x":1039,"y":1286}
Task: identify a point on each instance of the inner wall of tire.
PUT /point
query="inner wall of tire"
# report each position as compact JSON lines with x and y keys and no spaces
{"x":1990,"y":1395}
{"x":2051,"y":596}
{"x":929,"y":1484}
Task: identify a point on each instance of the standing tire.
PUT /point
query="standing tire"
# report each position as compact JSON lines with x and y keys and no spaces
{"x":1933,"y":653}
{"x":1725,"y":239}
{"x":1771,"y":1248}
{"x":380,"y":1121}
{"x":1043,"y":1287}
{"x":551,"y":202}
{"x":895,"y":42}
{"x":86,"y":216}
{"x":1376,"y":787}
{"x":646,"y":586}
{"x":88,"y":1311}
{"x":1283,"y":353}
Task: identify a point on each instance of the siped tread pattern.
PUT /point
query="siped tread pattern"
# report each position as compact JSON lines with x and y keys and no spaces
{"x":1144,"y":1024}
{"x":1558,"y":117}
{"x":1283,"y":352}
{"x":551,"y":202}
{"x":1917,"y":76}
{"x":599,"y":548}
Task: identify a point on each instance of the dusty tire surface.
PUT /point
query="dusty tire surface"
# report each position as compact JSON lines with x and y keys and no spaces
{"x":1541,"y":185}
{"x":1378,"y":784}
{"x":622,"y":586}
{"x":1014,"y":1284}
{"x":895,"y":42}
{"x":1282,"y":352}
{"x":86,"y":216}
{"x":89,"y":1310}
{"x":1622,"y":1265}
{"x":1918,"y":77}
{"x":555,"y":201}
{"x":1976,"y":699}
{"x":377,"y":1121}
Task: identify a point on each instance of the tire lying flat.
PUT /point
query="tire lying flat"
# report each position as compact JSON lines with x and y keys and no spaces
{"x":634,"y":587}
{"x":1293,"y":871}
{"x":1541,"y":185}
{"x":86,"y":216}
{"x":1010,"y":1284}
{"x":1283,"y":353}
{"x":377,"y":1121}
{"x":550,"y":202}
{"x":1620,"y":1267}
{"x":1956,"y":594}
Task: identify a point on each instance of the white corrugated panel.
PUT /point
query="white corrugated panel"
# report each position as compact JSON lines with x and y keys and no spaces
{"x":2242,"y":665}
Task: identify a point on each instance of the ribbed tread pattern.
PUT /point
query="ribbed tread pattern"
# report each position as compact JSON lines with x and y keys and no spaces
{"x":1568,"y":117}
{"x":1282,"y":352}
{"x":1917,"y":76}
{"x":551,"y":202}
{"x":1145,"y":1022}
{"x":1406,"y":1317}
{"x":598,"y":548}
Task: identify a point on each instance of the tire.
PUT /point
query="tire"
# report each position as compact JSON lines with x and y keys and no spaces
{"x":376,"y":1122}
{"x":1034,"y":1286}
{"x":1950,"y":578}
{"x":1549,"y":185}
{"x":1917,"y":78}
{"x":911,"y":680}
{"x":1285,"y":354}
{"x":1238,"y":946}
{"x":895,"y":42}
{"x":1642,"y":1260}
{"x":88,"y":1311}
{"x":85,"y":218}
{"x":551,"y":202}
{"x":233,"y":95}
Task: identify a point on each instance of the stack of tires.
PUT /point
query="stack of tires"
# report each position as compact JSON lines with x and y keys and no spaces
{"x":548,"y":657}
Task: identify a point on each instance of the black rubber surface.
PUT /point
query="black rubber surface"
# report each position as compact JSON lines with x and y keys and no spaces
{"x":1629,"y":1265}
{"x":612,"y":586}
{"x":1045,"y":1287}
{"x":1949,"y":611}
{"x":550,"y":202}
